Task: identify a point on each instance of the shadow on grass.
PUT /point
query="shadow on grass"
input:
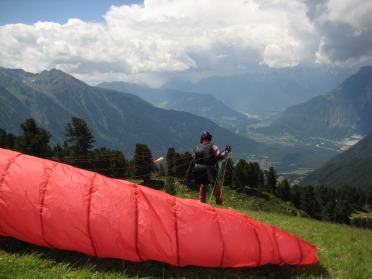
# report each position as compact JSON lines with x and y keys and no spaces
{"x":153,"y":269}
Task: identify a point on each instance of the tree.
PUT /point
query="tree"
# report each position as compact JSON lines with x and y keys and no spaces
{"x":342,"y":212}
{"x":79,"y":137}
{"x":270,"y":180}
{"x":362,"y":198}
{"x":143,"y":162}
{"x":109,"y":162}
{"x":58,"y":153}
{"x":34,"y":140}
{"x":161,"y":170}
{"x":309,"y":202}
{"x":254,"y":174}
{"x":327,"y":211}
{"x":171,"y":158}
{"x":369,"y":200}
{"x":182,"y":164}
{"x":241,"y":173}
{"x":284,"y":190}
{"x":7,"y":140}
{"x":296,"y":196}
{"x":325,"y":195}
{"x":352,"y":196}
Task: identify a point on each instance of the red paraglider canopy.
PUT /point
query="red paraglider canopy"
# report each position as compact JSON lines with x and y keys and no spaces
{"x":56,"y":205}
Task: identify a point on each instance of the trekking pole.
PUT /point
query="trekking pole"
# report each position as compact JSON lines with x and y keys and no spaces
{"x":224,"y":171}
{"x":226,"y":159}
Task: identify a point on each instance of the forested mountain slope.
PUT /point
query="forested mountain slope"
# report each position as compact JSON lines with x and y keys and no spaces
{"x":351,"y":168}
{"x":345,"y":111}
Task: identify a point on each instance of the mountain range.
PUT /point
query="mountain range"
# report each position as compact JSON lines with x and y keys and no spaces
{"x":119,"y":120}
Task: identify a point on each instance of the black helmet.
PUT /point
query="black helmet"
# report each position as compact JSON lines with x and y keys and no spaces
{"x":205,"y":136}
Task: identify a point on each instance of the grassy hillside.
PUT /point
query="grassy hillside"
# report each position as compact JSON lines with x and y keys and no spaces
{"x":344,"y":252}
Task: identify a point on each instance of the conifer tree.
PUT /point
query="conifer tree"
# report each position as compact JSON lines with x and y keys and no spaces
{"x":171,"y":158}
{"x":296,"y":196}
{"x":309,"y":202}
{"x":58,"y":153}
{"x":325,"y":195}
{"x":79,"y":137}
{"x":143,"y":162}
{"x":7,"y":140}
{"x":362,"y":198}
{"x":161,"y":170}
{"x":241,"y":173}
{"x":109,"y":162}
{"x":34,"y":140}
{"x":369,"y":200}
{"x":284,"y":190}
{"x":342,"y":212}
{"x":182,"y":164}
{"x":254,"y":174}
{"x":270,"y":180}
{"x":327,"y":211}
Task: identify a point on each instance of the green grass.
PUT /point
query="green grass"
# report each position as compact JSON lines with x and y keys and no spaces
{"x":344,"y":252}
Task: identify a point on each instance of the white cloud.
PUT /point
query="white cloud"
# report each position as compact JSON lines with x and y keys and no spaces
{"x":354,"y":12}
{"x":345,"y":28}
{"x":144,"y":42}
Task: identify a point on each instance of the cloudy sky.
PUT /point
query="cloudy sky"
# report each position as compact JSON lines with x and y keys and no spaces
{"x":151,"y":41}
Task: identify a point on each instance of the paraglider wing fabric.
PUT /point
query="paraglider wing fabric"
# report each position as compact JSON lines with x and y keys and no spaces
{"x":56,"y":205}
